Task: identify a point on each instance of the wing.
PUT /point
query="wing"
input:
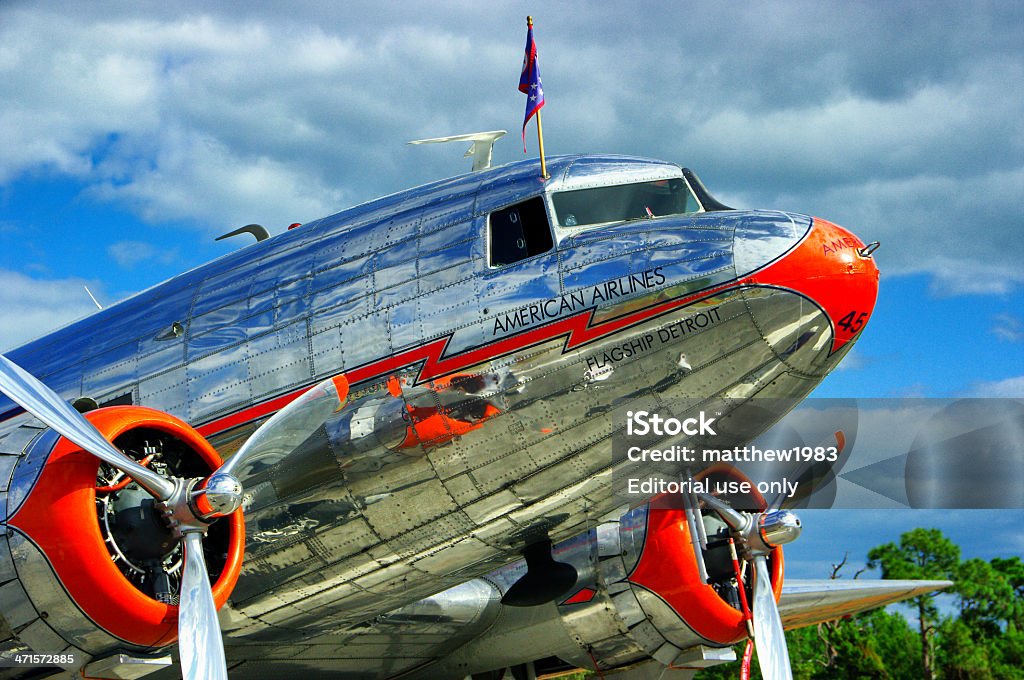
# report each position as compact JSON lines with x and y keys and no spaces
{"x":805,"y":603}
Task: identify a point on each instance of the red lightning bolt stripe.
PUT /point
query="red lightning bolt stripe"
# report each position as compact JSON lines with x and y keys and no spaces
{"x":578,"y":330}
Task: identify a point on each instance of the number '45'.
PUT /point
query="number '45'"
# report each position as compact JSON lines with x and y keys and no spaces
{"x":853,"y":321}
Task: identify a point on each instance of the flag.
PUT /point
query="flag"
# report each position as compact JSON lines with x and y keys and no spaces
{"x":529,"y":81}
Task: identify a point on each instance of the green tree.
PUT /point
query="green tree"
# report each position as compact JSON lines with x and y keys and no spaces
{"x":875,"y":645}
{"x":921,"y":554}
{"x":963,"y":657}
{"x":1013,"y":570}
{"x":985,"y":640}
{"x":986,"y":597}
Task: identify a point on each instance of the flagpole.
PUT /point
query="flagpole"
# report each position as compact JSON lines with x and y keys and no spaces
{"x":540,"y":143}
{"x":540,"y":129}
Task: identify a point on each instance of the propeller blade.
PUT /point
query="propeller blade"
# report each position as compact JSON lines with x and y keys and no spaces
{"x":287,"y":428}
{"x":769,"y":637}
{"x":199,"y":641}
{"x":60,"y":416}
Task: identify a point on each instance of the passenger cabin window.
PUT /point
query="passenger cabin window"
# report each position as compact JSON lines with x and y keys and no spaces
{"x":518,"y":232}
{"x":644,"y":200}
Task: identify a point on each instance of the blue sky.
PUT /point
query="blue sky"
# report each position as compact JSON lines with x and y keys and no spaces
{"x":134,"y":133}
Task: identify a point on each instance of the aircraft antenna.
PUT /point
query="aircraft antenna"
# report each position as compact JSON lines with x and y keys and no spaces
{"x":258,"y":231}
{"x":92,"y":297}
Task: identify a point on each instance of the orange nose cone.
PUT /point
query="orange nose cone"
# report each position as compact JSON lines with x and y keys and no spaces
{"x":828,"y":267}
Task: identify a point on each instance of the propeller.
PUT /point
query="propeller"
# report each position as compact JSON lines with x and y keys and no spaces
{"x":769,"y":637}
{"x":40,"y":401}
{"x":204,"y":657}
{"x":190,"y":506}
{"x":758,"y":534}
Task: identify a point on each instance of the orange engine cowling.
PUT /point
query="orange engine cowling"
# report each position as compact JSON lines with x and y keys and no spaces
{"x":647,"y":586}
{"x":75,"y":524}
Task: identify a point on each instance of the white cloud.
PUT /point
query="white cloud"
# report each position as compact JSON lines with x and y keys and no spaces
{"x":197,"y":177}
{"x":885,"y":119}
{"x":1008,"y":328}
{"x":130,"y":254}
{"x":30,"y":307}
{"x":854,"y":361}
{"x":1008,"y":388}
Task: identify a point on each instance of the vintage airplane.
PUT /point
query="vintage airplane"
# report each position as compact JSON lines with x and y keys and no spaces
{"x":403,"y":417}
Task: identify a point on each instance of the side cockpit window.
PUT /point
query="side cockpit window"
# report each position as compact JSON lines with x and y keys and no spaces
{"x":518,"y":232}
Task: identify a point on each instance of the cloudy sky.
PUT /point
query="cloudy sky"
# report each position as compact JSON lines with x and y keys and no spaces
{"x":133,"y":133}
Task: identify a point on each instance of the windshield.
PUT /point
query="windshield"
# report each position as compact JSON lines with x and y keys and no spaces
{"x":624,"y":202}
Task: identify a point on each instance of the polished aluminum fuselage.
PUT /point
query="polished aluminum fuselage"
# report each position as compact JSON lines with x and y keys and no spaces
{"x":637,"y":315}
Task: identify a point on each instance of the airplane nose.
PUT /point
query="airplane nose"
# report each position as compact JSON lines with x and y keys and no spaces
{"x":831,"y":267}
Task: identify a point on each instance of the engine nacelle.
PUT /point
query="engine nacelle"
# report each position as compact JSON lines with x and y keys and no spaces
{"x":88,"y":560}
{"x":639,"y":596}
{"x":645,"y":597}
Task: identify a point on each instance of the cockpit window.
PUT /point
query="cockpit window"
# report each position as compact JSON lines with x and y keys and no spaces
{"x":644,"y":200}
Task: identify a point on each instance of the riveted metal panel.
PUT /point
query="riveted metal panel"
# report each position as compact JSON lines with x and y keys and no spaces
{"x":167,"y":391}
{"x":28,"y":469}
{"x":362,"y":338}
{"x":15,"y":607}
{"x":608,"y":544}
{"x":348,"y":539}
{"x":7,"y":463}
{"x":7,"y":571}
{"x":522,"y":283}
{"x":385,"y":579}
{"x":456,"y":305}
{"x":319,"y":536}
{"x":632,"y":532}
{"x":201,"y":344}
{"x":450,"y":256}
{"x":489,"y":507}
{"x":315,"y":602}
{"x":596,"y":170}
{"x":628,"y":608}
{"x":40,"y":637}
{"x":218,"y":383}
{"x":291,"y":302}
{"x":116,"y":369}
{"x":453,"y":558}
{"x":669,"y":622}
{"x":398,"y":257}
{"x":48,"y":595}
{"x":424,"y":499}
{"x":405,"y":325}
{"x":795,"y":328}
{"x":231,"y":313}
{"x":327,"y":355}
{"x":434,"y":236}
{"x":167,"y":355}
{"x":18,"y":439}
{"x":667,"y":248}
{"x":581,"y":277}
{"x":224,"y":287}
{"x":666,"y":653}
{"x":333,"y":317}
{"x":613,"y":568}
{"x":646,"y":635}
{"x":357,"y":290}
{"x":762,"y":236}
{"x":279,"y":360}
{"x":358,"y":264}
{"x":386,"y":296}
